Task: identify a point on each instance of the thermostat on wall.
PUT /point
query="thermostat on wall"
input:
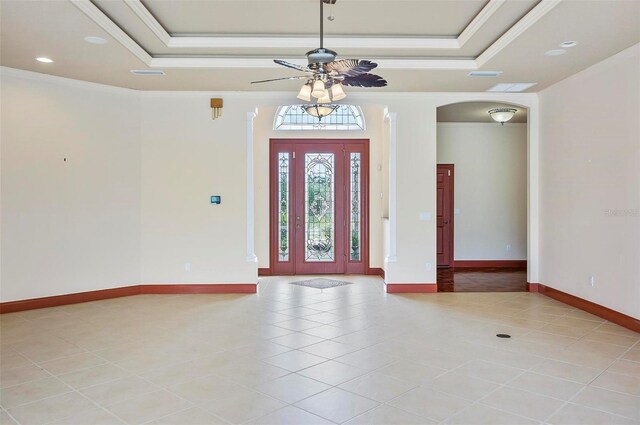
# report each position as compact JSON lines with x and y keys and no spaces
{"x":216,"y":199}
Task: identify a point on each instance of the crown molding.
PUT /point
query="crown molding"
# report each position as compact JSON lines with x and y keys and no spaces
{"x":479,"y":20}
{"x":534,"y":15}
{"x":309,"y":42}
{"x":102,"y":20}
{"x":249,"y":62}
{"x":239,"y":61}
{"x":149,"y":20}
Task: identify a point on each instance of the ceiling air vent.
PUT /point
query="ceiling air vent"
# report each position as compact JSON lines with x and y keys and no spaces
{"x":147,"y":72}
{"x":484,"y":73}
{"x":511,"y":87}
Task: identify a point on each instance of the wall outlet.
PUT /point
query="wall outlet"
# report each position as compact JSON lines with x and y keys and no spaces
{"x":428,"y":266}
{"x":425,"y":216}
{"x":592,"y":281}
{"x":187,"y":267}
{"x":508,"y":247}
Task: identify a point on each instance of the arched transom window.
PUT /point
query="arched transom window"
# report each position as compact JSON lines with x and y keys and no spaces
{"x":293,"y":117}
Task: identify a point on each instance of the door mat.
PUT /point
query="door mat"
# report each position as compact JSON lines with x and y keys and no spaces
{"x":321,"y":283}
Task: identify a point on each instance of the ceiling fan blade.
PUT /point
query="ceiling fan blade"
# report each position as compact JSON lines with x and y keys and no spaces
{"x":351,"y":67}
{"x":365,"y":80}
{"x":299,"y":77}
{"x":292,"y":65}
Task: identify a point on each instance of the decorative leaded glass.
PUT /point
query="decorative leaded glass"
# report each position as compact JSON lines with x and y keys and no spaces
{"x":319,"y":207}
{"x":355,"y":234}
{"x":283,"y":210}
{"x":294,"y":117}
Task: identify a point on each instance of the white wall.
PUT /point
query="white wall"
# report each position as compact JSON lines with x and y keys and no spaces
{"x":68,"y":226}
{"x":186,"y":158}
{"x":263,"y":131}
{"x":490,"y":188}
{"x":150,"y":161}
{"x":590,"y":183}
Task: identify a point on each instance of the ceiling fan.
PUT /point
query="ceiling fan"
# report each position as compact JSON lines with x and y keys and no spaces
{"x":325,"y":75}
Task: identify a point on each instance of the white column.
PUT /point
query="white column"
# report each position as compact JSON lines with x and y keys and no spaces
{"x":533,"y":207}
{"x":392,"y":257}
{"x":251,"y":255}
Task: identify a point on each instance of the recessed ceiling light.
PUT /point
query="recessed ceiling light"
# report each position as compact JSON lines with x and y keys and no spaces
{"x":567,"y":44}
{"x":555,"y":52}
{"x":147,"y":72}
{"x":484,"y":73}
{"x":96,"y":40}
{"x":44,"y":60}
{"x":511,"y":87}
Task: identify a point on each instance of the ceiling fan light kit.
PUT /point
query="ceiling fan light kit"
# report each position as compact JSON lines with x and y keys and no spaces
{"x":305,"y":93}
{"x":326,"y":76}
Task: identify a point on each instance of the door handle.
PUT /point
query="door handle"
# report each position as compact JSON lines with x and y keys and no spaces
{"x":446,"y":222}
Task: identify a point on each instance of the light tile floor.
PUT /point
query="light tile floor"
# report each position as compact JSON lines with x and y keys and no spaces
{"x":297,"y":355}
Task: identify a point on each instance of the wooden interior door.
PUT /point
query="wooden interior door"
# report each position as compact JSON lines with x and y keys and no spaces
{"x":319,"y":206}
{"x":444,"y":214}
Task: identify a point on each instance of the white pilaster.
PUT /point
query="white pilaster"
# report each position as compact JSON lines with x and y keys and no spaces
{"x":392,"y":257}
{"x":251,"y":255}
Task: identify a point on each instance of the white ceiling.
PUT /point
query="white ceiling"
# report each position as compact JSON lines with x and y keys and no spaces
{"x":420,"y":45}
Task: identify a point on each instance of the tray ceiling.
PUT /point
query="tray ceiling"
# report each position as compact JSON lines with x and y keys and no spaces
{"x":223,"y":45}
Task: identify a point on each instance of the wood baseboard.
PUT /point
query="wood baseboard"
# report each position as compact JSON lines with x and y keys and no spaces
{"x":104,"y":294}
{"x":591,"y":307}
{"x":204,"y":288}
{"x":533,"y":287}
{"x":412,"y":288}
{"x":375,"y":271}
{"x":505,"y":264}
{"x":265,"y":271}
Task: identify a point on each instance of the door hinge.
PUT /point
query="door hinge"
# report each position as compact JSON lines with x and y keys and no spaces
{"x":294,"y":154}
{"x":448,"y":171}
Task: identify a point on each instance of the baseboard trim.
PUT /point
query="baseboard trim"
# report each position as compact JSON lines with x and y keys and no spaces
{"x":507,"y":264}
{"x":203,"y":288}
{"x":125,"y":291}
{"x":533,"y":287}
{"x":412,"y":288}
{"x":375,"y":271}
{"x":265,"y":271}
{"x":591,"y":307}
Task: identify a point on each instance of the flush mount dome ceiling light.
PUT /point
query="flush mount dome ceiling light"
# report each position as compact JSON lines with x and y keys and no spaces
{"x":502,"y":115}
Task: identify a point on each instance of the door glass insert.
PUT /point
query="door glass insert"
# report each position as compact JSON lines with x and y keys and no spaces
{"x":354,"y":162}
{"x":319,"y":207}
{"x":283,"y":206}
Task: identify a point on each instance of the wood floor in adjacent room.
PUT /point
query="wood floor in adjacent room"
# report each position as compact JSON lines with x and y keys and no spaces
{"x":297,"y":355}
{"x":482,"y":280}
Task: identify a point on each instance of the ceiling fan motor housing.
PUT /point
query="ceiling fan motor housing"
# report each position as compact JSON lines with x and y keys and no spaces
{"x":318,"y":57}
